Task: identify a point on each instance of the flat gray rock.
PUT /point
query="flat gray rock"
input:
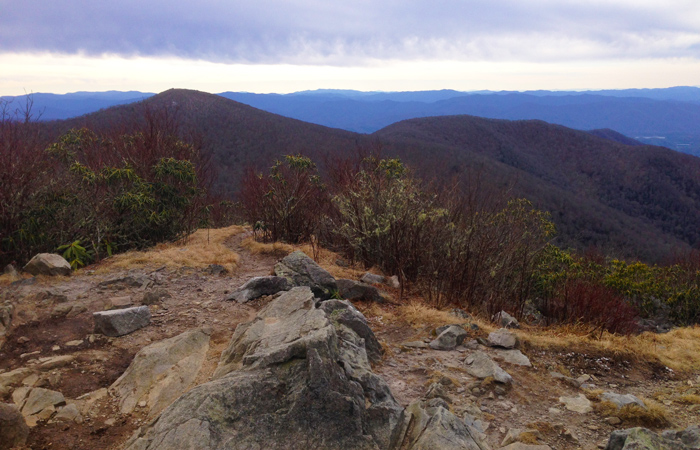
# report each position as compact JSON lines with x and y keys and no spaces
{"x":644,"y":439}
{"x":257,"y":287}
{"x":300,"y":270}
{"x":119,"y":322}
{"x":513,"y":357}
{"x":162,"y":371}
{"x":49,"y":264}
{"x":372,"y":278}
{"x":502,"y":338}
{"x":480,"y":365}
{"x":578,"y":404}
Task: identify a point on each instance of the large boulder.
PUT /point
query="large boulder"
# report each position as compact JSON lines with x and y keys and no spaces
{"x":502,"y":338}
{"x":119,"y":322}
{"x":644,"y":439}
{"x":300,"y":270}
{"x":257,"y":287}
{"x":343,"y":313}
{"x":290,"y":379}
{"x":13,"y":429}
{"x":48,"y":264}
{"x":162,"y":371}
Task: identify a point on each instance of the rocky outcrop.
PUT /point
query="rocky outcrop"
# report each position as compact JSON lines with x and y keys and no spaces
{"x":257,"y":287}
{"x":161,"y":372}
{"x":49,"y":264}
{"x":37,"y":403}
{"x":13,"y":430}
{"x":300,"y":270}
{"x":293,"y":378}
{"x":119,"y":322}
{"x":644,"y":439}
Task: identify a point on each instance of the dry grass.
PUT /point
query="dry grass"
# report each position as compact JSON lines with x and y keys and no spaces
{"x":593,"y":394}
{"x":690,"y":399}
{"x":7,"y":279}
{"x":278,"y":249}
{"x":678,"y":349}
{"x":202,"y":248}
{"x":420,"y":316}
{"x":654,"y":415}
{"x":528,"y":437}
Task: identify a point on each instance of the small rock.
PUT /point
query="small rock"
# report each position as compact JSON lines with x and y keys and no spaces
{"x":119,"y":302}
{"x":514,"y":357}
{"x":393,"y":281}
{"x":578,"y":404}
{"x":612,"y":420}
{"x":554,"y":411}
{"x":75,"y":343}
{"x":506,"y":320}
{"x":479,"y":365}
{"x":55,"y":362}
{"x":621,"y":400}
{"x":502,"y":338}
{"x":22,"y":340}
{"x":119,"y":322}
{"x":462,"y":314}
{"x":415,"y":344}
{"x":568,"y":380}
{"x":216,"y":269}
{"x":39,"y":399}
{"x":372,"y":278}
{"x":49,"y":264}
{"x":521,"y":446}
{"x":154,"y":297}
{"x":356,"y":290}
{"x":449,"y":338}
{"x":68,"y":413}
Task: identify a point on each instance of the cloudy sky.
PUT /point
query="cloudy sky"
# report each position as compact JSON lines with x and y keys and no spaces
{"x":283,"y":46}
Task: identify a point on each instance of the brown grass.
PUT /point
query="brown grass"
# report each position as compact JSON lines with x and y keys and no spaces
{"x":420,"y":316}
{"x":654,"y":415}
{"x":528,"y":437}
{"x":690,"y":399}
{"x":678,"y":349}
{"x":202,"y":248}
{"x":278,"y":249}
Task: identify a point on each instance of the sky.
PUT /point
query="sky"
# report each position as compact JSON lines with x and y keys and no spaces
{"x":280,"y":46}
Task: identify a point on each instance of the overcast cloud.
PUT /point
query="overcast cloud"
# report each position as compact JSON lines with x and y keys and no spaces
{"x":355,"y":32}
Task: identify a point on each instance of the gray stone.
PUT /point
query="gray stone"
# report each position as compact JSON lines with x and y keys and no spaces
{"x":429,"y":425}
{"x":38,"y":399}
{"x":502,"y":338}
{"x":505,"y":320}
{"x":119,"y":322}
{"x":68,"y":413}
{"x":644,"y":439}
{"x":690,"y":437}
{"x":356,"y":290}
{"x":342,"y":312}
{"x":257,"y":287}
{"x":578,"y":404}
{"x":480,"y":365}
{"x":14,"y":377}
{"x":513,"y":357}
{"x":568,"y":380}
{"x":290,"y":379}
{"x":127,"y":281}
{"x":449,"y":338}
{"x":49,"y":264}
{"x":300,"y":270}
{"x":6,"y":311}
{"x":372,"y":278}
{"x":162,"y":371}
{"x":13,"y":429}
{"x":11,"y":271}
{"x":393,"y":281}
{"x":119,"y":302}
{"x":216,"y":269}
{"x":621,"y":400}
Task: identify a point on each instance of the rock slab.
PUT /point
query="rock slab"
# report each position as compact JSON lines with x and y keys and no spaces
{"x":49,"y":264}
{"x":257,"y":287}
{"x":119,"y":322}
{"x":162,"y":371}
{"x":480,"y":365}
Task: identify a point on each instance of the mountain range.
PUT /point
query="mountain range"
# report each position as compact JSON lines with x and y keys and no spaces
{"x":630,"y":200}
{"x":667,"y":117}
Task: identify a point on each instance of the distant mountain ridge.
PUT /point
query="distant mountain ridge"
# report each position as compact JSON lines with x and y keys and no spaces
{"x":640,"y":200}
